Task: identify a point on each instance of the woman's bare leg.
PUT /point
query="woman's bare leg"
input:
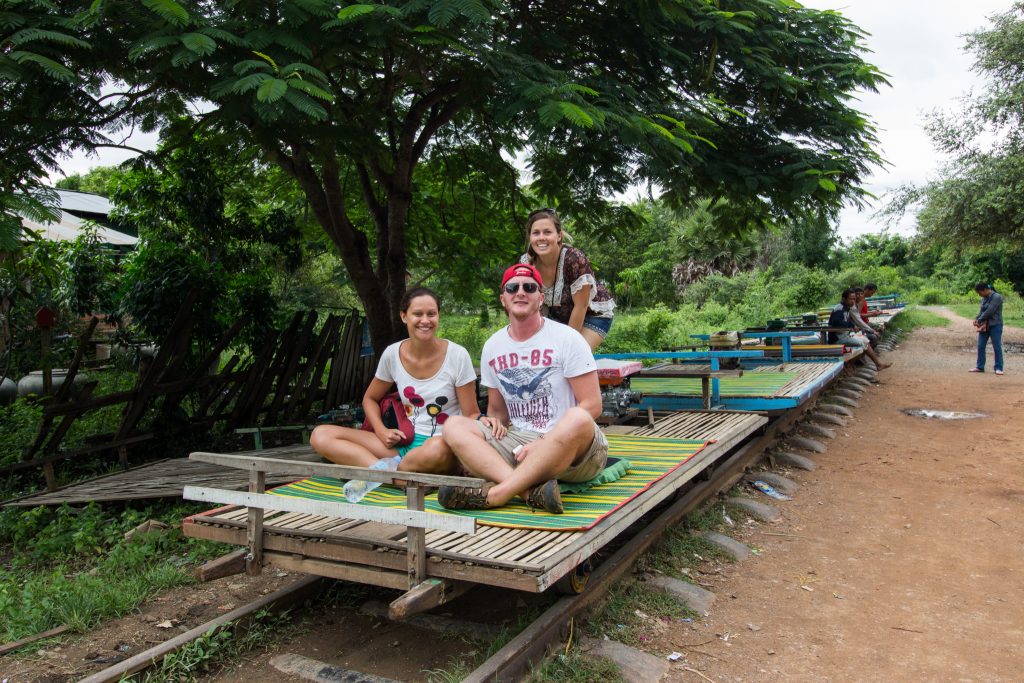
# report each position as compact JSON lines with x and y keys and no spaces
{"x":347,"y":446}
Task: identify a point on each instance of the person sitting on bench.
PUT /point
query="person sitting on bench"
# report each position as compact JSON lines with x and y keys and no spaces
{"x":858,"y":321}
{"x":542,"y":378}
{"x":435,"y":381}
{"x":870,"y":289}
{"x":841,"y":318}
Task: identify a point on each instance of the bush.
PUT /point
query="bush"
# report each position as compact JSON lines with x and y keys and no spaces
{"x":468,"y":331}
{"x":931,"y":296}
{"x":652,"y":330}
{"x":805,"y":289}
{"x":19,"y":423}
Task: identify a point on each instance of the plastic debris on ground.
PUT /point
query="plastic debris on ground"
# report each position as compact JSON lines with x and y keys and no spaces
{"x":769,"y":491}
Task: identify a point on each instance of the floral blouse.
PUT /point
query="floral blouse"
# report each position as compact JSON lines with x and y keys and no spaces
{"x":573,"y":273}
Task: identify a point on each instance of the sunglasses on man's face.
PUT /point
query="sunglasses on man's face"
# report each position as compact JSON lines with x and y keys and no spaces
{"x":528,"y":287}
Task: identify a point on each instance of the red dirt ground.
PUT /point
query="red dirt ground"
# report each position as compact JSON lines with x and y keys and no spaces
{"x":908,"y":535}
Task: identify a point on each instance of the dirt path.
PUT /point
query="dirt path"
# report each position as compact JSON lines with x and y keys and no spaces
{"x":909,"y":535}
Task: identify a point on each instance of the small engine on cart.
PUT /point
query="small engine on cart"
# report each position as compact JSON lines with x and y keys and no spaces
{"x":616,"y":396}
{"x":616,"y":401}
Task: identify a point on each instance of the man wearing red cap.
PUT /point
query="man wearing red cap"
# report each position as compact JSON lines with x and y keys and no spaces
{"x":541,"y":380}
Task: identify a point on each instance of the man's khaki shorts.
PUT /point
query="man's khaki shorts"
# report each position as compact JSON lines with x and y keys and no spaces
{"x":586,"y":467}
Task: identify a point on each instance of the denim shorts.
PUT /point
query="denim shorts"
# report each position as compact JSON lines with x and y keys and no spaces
{"x":598,"y":324}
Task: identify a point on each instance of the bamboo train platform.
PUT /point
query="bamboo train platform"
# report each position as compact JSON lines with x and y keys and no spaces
{"x":160,"y":479}
{"x":525,"y":559}
{"x":767,"y":386}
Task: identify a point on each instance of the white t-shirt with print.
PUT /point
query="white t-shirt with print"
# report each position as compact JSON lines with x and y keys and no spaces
{"x":532,"y":375}
{"x":428,"y":402}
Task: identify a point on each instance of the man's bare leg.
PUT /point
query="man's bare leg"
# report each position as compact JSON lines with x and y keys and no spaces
{"x":873,"y":355}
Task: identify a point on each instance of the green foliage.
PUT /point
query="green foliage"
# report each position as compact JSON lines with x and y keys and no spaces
{"x":73,"y":566}
{"x":19,"y":423}
{"x":156,"y":279}
{"x":211,"y":217}
{"x":353,"y":101}
{"x":930,"y":295}
{"x":98,"y":180}
{"x":812,"y":240}
{"x":576,"y":667}
{"x":88,"y":285}
{"x":804,"y":289}
{"x":878,"y":249}
{"x":43,"y":69}
{"x":620,"y":619}
{"x":468,"y":331}
{"x":654,"y":329}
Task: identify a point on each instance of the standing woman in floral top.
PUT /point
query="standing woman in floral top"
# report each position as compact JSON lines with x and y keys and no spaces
{"x":572,"y":295}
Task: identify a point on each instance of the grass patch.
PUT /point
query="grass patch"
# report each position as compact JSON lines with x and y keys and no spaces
{"x":632,"y":611}
{"x":911,"y":318}
{"x":73,"y":566}
{"x":917,"y":317}
{"x":219,"y":647}
{"x":1013,"y":313}
{"x":576,"y":667}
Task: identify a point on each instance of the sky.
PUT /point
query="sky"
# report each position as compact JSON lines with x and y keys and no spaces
{"x":918,"y":43}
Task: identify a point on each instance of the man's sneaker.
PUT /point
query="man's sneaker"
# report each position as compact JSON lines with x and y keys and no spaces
{"x":464,"y":497}
{"x":545,"y":496}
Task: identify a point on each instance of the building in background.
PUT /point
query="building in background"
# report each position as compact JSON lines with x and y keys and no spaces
{"x":78,"y":208}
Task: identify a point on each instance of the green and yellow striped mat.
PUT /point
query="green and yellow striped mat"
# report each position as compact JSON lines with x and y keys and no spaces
{"x":750,"y":384}
{"x":650,"y":458}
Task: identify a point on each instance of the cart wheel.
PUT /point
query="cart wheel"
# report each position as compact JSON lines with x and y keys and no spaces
{"x":575,"y":582}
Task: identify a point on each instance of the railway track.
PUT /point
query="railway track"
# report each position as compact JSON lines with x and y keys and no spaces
{"x":526,"y":649}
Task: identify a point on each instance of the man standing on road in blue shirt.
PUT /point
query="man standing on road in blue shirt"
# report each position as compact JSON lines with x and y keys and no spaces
{"x":989,"y":324}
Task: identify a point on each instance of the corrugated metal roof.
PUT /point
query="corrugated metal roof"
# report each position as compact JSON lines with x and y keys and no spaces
{"x":83,"y":201}
{"x":70,"y":227}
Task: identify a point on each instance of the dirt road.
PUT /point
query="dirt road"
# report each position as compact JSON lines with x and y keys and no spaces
{"x":901,"y":558}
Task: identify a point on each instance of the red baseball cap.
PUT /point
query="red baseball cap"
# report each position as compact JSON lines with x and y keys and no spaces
{"x":521,"y":270}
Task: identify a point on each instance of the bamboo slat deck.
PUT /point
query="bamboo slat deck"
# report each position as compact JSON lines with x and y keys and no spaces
{"x":523,"y":559}
{"x":163,"y":479}
{"x":807,"y":378}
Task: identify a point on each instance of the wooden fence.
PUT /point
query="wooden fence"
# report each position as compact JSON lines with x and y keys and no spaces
{"x":295,"y":374}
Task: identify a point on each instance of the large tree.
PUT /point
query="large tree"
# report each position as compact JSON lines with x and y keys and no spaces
{"x":743,"y":99}
{"x":978,"y":198}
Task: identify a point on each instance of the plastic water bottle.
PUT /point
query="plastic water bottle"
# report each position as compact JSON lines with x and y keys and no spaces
{"x":769,"y":490}
{"x":355,"y":490}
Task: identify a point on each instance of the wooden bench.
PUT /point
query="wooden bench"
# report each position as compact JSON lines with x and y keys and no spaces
{"x":705,"y":375}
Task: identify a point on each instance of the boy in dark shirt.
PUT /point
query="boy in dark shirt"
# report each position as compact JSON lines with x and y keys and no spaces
{"x":841,"y":318}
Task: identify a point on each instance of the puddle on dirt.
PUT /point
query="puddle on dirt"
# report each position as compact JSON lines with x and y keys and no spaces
{"x":940,"y":414}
